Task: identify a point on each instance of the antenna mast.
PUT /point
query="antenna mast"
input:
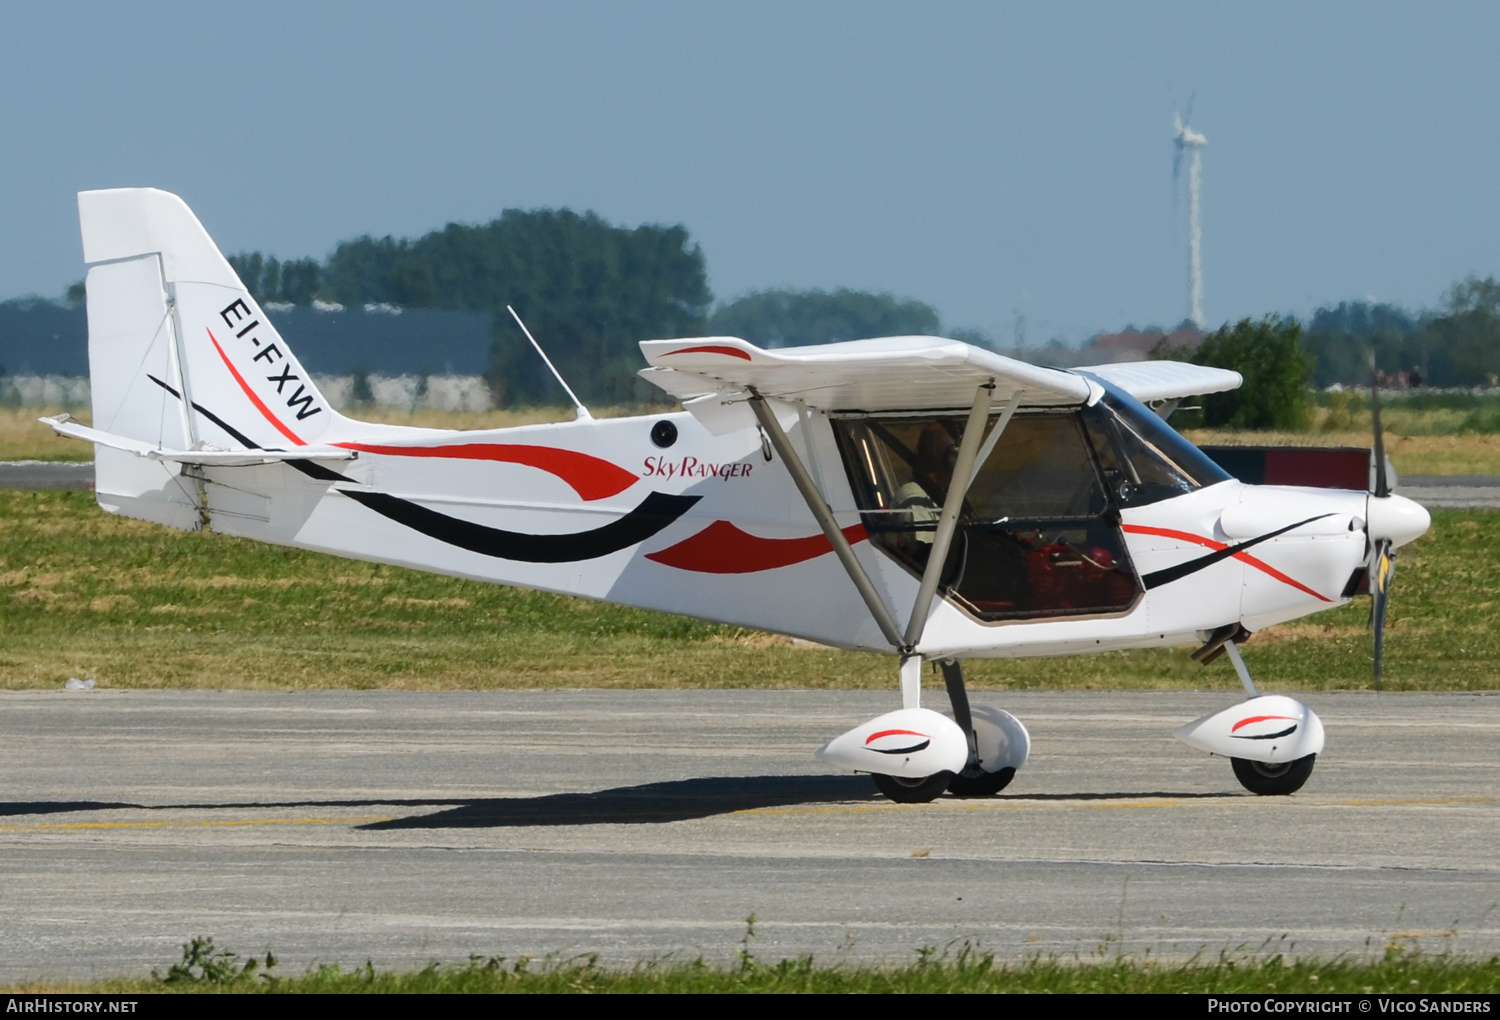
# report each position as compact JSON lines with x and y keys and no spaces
{"x":578,"y":408}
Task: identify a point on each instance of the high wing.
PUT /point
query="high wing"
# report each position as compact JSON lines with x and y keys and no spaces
{"x":891,"y":373}
{"x":711,"y":375}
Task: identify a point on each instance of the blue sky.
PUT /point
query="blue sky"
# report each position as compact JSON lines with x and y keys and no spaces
{"x":992,"y":159}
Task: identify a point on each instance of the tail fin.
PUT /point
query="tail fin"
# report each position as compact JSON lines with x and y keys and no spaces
{"x":180,"y":355}
{"x":167,"y":313}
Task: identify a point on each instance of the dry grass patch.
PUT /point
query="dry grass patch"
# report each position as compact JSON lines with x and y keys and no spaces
{"x":1469,"y":454}
{"x":1312,"y":632}
{"x":22,"y":437}
{"x":392,"y":600}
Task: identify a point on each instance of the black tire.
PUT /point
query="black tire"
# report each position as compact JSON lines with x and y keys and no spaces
{"x":986,"y":784}
{"x":1273,"y":780}
{"x":912,"y":791}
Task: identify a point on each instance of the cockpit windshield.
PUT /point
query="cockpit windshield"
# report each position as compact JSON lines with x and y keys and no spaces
{"x":1143,"y":460}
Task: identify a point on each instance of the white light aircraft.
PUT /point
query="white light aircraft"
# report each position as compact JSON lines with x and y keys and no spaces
{"x":910,"y":495}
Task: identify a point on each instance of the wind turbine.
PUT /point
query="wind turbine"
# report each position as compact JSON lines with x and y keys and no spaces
{"x":1191,"y":142}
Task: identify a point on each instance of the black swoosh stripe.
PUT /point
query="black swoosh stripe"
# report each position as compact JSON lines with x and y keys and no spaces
{"x":901,"y":750}
{"x":1177,"y":573}
{"x":1266,"y":736}
{"x":307,"y":467}
{"x":654,"y":513}
{"x":238,"y":436}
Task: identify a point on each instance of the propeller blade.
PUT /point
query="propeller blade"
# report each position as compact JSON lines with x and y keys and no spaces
{"x":1382,"y":483}
{"x":1382,"y":569}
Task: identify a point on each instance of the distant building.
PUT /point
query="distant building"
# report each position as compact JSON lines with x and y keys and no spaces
{"x":41,"y":338}
{"x":1135,"y":344}
{"x":383,"y":340}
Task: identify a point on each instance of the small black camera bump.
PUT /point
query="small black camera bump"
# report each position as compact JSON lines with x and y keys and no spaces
{"x":664,"y":434}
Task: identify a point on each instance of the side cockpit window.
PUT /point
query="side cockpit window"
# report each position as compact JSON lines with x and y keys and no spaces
{"x":1040,"y":468}
{"x":1037,"y":535}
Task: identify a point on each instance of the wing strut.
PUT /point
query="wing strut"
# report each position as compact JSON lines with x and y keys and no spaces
{"x":995,"y":434}
{"x":958,"y":488}
{"x":824,"y":516}
{"x":963,"y":477}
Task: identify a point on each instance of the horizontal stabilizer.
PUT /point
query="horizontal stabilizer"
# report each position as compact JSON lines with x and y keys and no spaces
{"x":216,"y":458}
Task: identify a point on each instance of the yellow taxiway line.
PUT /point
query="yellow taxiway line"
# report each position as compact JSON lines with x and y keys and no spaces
{"x":1042,"y":805}
{"x":967,"y":806}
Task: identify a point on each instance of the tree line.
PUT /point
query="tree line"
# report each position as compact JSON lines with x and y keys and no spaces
{"x":1352,"y":344}
{"x":1456,"y":344}
{"x":588,"y":290}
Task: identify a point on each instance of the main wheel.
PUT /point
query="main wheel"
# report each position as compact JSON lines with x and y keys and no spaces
{"x":986,"y":784}
{"x":1273,"y":780}
{"x":912,"y":791}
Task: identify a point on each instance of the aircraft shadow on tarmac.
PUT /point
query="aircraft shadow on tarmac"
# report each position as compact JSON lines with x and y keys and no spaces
{"x":644,"y":804}
{"x":684,"y":799}
{"x":60,"y":807}
{"x":647,"y":804}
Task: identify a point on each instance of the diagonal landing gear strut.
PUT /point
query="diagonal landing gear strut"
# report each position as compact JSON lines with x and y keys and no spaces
{"x":1005,"y":736}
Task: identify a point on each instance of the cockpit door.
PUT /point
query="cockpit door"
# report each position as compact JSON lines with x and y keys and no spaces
{"x":1039,"y":536}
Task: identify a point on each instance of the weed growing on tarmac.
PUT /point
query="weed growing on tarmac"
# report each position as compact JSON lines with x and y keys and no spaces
{"x":203,"y":963}
{"x":130,"y":604}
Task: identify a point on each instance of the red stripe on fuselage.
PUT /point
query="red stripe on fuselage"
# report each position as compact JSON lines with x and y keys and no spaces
{"x":259,"y":405}
{"x":1243,"y":557}
{"x":591,"y":477}
{"x":722,"y":548}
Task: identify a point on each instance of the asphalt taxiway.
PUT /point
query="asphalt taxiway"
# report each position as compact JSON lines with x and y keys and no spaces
{"x":403,"y":828}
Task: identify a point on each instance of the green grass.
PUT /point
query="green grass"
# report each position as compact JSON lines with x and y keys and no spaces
{"x":1417,"y":413}
{"x":130,"y":604}
{"x":963,"y":969}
